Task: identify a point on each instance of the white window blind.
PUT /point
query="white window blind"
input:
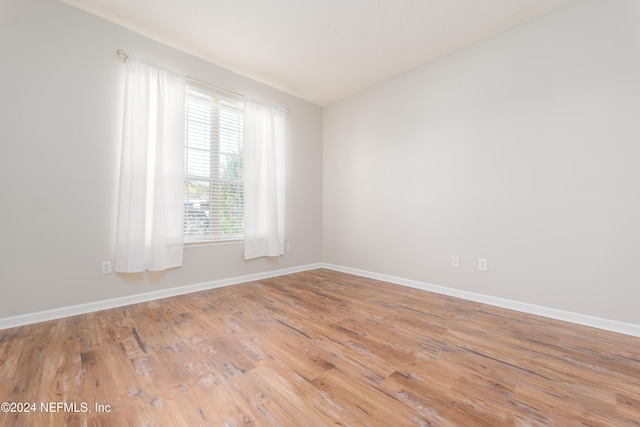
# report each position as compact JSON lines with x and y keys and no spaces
{"x":213,"y":205}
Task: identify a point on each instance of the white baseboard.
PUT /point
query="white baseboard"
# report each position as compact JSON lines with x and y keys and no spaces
{"x":58,"y":313}
{"x":581,"y":319}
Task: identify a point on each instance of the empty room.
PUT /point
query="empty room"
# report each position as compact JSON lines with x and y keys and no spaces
{"x":314,"y":213}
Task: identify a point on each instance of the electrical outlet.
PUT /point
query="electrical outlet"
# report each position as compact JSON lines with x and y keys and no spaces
{"x":287,"y":247}
{"x":483,"y":264}
{"x":455,"y":261}
{"x":106,"y":267}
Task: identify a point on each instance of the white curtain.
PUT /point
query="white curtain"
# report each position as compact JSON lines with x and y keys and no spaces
{"x":150,"y":201}
{"x":264,"y":179}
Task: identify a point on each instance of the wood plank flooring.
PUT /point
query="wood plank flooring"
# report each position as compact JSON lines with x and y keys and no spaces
{"x":318,"y":348}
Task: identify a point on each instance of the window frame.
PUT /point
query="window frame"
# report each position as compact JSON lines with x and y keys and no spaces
{"x":232,"y":103}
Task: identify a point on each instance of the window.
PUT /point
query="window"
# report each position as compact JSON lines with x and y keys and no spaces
{"x":213,"y":204}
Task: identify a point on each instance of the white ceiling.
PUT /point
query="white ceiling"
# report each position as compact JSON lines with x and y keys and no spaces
{"x":319,"y":50}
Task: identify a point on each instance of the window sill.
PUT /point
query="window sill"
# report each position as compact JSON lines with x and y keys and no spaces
{"x":199,"y":243}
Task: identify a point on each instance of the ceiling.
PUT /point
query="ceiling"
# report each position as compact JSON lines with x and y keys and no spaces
{"x":319,"y":50}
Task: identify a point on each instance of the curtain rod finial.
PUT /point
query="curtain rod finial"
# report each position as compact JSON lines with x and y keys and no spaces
{"x":122,"y":54}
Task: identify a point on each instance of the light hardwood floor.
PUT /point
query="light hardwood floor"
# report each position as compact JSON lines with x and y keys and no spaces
{"x":319,"y":348}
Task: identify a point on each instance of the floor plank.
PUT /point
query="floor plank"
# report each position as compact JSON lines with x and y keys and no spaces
{"x":318,"y":348}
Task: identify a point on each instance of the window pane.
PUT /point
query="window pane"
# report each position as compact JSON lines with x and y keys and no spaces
{"x":198,"y":124}
{"x":197,"y":208}
{"x":198,"y":163}
{"x":231,"y":209}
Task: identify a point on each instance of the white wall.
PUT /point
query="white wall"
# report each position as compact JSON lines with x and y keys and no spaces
{"x":523,"y":149}
{"x":61,"y":89}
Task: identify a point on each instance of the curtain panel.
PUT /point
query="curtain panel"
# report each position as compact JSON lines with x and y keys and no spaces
{"x":264,"y":179}
{"x":149,"y":233}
